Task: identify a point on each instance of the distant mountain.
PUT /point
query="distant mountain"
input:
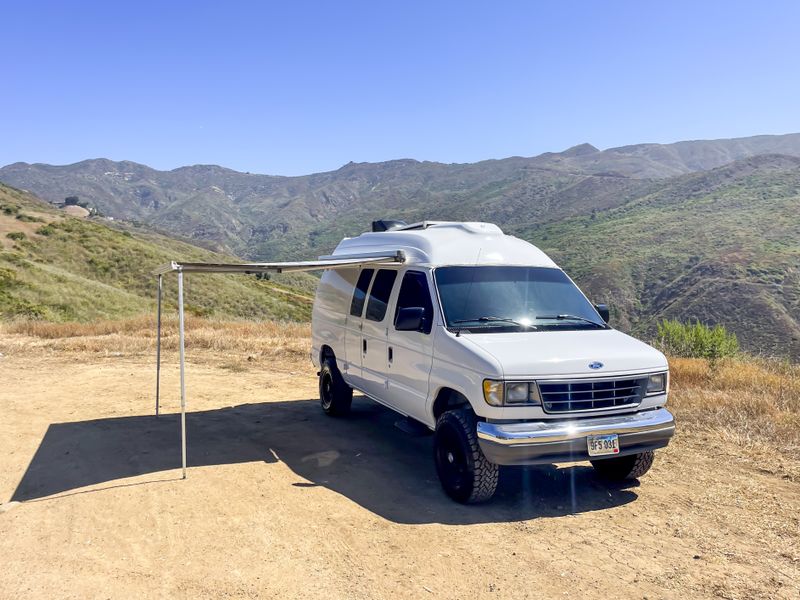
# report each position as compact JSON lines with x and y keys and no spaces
{"x":261,"y":216}
{"x":57,"y":267}
{"x":697,"y":229}
{"x":657,"y":161}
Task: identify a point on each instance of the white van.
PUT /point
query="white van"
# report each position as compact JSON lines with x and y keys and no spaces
{"x":481,"y":337}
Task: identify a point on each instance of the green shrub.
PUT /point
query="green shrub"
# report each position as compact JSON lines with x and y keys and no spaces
{"x":17,"y":307}
{"x":16,"y":236}
{"x":696,"y":340}
{"x":8,"y":278}
{"x":46,"y":230}
{"x":14,"y":258}
{"x":29,"y":218}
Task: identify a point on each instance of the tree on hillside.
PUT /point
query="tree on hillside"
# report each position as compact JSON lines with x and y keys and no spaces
{"x":75,"y":201}
{"x":71,"y":201}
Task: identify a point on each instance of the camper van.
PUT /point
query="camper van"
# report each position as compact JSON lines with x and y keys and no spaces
{"x":482,"y":339}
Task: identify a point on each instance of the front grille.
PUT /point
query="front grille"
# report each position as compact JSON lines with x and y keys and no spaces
{"x":591,"y":394}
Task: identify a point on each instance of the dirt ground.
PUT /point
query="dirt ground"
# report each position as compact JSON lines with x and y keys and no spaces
{"x":282,"y":501}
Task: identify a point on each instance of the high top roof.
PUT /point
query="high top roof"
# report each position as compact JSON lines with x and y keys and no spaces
{"x":439,"y":243}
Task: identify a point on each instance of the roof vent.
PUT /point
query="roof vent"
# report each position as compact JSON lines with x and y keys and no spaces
{"x":387,"y":225}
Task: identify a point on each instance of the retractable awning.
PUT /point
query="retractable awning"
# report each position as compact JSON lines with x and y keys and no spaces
{"x":180,"y":268}
{"x":324,"y":262}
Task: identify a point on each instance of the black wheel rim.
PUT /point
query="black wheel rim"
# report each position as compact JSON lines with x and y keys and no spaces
{"x":326,"y":390}
{"x":451,"y":460}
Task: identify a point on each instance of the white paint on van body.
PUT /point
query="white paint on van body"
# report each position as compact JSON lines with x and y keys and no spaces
{"x":423,"y":365}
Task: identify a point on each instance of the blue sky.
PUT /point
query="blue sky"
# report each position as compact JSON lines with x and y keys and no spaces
{"x":298,"y":87}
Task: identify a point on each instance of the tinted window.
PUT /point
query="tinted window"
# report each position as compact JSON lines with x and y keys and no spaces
{"x":483,"y":297}
{"x":414,"y":293}
{"x":379,"y":295}
{"x":360,"y":293}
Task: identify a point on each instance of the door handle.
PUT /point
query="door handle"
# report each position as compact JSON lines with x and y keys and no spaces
{"x":364,"y":345}
{"x":391,"y":354}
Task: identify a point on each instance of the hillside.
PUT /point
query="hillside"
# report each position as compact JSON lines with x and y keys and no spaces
{"x":721,"y":246}
{"x":265,"y":217}
{"x":57,"y":267}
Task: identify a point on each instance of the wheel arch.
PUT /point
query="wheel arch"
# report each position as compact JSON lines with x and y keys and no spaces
{"x":448,"y":399}
{"x":326,"y":352}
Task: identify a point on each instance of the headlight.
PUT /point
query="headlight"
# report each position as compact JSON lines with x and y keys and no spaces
{"x":657,"y":384}
{"x":511,"y":393}
{"x":516,"y":392}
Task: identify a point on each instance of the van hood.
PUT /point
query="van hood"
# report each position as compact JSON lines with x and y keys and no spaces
{"x":557,"y":353}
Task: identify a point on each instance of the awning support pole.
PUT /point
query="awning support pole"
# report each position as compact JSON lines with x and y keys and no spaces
{"x":158,"y":345}
{"x":183,"y":383}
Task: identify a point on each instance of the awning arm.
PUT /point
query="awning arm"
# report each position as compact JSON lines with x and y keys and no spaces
{"x":323,"y":263}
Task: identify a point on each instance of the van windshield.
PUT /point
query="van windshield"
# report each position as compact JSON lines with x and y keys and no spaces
{"x":497,"y":298}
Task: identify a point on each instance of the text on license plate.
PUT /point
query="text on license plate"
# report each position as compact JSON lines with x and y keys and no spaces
{"x":600,"y":445}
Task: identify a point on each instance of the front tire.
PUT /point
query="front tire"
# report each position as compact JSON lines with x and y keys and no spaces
{"x":465,"y":473}
{"x":335,"y":396}
{"x":624,"y":468}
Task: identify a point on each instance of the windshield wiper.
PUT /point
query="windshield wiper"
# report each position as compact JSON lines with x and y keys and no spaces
{"x":568,"y":317}
{"x":493,"y":319}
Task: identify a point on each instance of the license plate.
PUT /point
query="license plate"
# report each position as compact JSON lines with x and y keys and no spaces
{"x":601,"y":445}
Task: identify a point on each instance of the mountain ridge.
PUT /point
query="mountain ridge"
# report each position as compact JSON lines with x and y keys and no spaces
{"x":705,"y":244}
{"x":258,"y":216}
{"x":788,"y":143}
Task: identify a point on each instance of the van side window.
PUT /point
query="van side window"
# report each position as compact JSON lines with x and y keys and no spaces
{"x":379,"y":294}
{"x":414,"y":293}
{"x":360,"y":293}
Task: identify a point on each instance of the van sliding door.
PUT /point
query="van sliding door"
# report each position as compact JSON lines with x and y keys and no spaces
{"x":352,"y":334}
{"x":373,"y":335}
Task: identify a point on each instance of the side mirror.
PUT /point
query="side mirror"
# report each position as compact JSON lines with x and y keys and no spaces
{"x":602,"y":309}
{"x":410,"y":319}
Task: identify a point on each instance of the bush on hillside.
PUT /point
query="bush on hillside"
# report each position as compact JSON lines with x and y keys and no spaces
{"x":8,"y":277}
{"x":29,"y":218}
{"x":696,"y":340}
{"x":46,"y":230}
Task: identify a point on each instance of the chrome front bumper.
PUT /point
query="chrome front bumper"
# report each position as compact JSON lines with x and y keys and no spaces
{"x":556,"y":441}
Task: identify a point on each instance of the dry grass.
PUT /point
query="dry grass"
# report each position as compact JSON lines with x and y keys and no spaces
{"x":752,"y":401}
{"x":138,"y":336}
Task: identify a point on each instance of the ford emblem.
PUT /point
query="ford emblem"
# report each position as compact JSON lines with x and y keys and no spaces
{"x":596,"y":365}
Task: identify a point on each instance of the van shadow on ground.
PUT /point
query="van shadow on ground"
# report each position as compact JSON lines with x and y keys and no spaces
{"x":362,"y":457}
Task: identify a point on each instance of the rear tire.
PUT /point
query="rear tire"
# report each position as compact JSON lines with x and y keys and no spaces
{"x":623,"y":468}
{"x":465,"y":473}
{"x":335,"y":396}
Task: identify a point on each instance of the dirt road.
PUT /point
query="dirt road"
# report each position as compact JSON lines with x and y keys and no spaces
{"x":282,"y":501}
